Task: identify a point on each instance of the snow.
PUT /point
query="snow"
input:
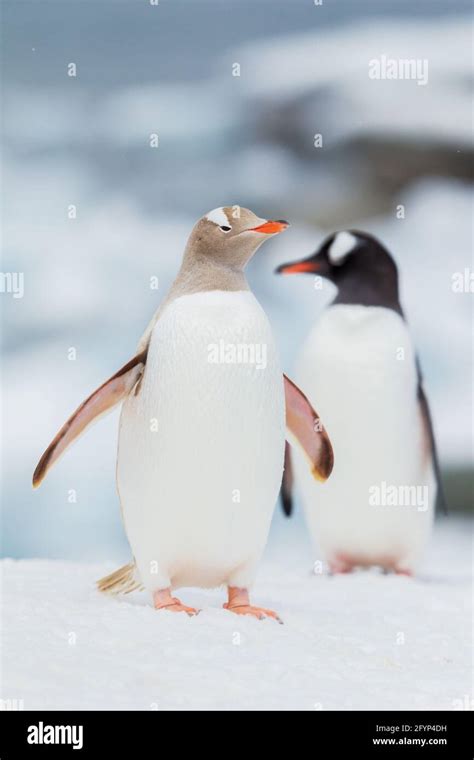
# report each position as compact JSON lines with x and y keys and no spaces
{"x":350,"y":642}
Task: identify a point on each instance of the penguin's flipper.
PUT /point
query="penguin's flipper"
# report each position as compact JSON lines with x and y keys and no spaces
{"x":287,"y":483}
{"x":305,"y":425}
{"x":428,"y":430}
{"x":97,"y":404}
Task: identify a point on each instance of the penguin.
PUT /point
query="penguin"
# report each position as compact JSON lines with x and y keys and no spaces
{"x":202,"y":426}
{"x":359,"y":361}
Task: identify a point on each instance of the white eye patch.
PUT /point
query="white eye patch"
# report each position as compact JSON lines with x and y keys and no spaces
{"x":341,"y":246}
{"x":219,"y":217}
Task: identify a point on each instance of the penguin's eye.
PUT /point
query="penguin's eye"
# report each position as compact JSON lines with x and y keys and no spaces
{"x":225,"y":228}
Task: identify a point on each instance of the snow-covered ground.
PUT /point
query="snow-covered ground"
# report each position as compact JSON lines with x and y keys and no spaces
{"x":355,"y":642}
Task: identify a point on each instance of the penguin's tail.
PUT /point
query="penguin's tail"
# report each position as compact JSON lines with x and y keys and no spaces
{"x":122,"y":581}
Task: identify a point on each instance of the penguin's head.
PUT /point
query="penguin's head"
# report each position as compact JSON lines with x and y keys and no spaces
{"x":357,"y":263}
{"x":230,"y":235}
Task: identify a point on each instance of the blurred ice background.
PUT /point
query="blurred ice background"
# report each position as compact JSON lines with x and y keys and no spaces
{"x":248,"y":140}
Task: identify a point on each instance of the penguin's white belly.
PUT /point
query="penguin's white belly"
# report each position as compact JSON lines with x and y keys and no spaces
{"x":201,"y":445}
{"x":358,"y":368}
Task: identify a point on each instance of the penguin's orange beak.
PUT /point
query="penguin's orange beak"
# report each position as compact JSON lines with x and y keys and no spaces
{"x":298,"y":266}
{"x":271,"y":228}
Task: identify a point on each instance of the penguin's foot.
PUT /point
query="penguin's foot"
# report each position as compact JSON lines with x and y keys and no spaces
{"x":403,"y":571}
{"x":340,"y":565}
{"x":248,"y":609}
{"x":345,"y":563}
{"x":162,"y":600}
{"x":239,"y":603}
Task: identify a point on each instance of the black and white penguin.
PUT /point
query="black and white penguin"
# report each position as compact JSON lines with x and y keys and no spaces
{"x":360,"y":363}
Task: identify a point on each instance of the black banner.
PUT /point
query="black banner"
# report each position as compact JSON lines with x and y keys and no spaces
{"x":381,"y":734}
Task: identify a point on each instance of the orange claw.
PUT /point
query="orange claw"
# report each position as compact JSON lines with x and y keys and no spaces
{"x":240,"y":604}
{"x":162,"y":600}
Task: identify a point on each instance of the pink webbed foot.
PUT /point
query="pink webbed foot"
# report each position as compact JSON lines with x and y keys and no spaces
{"x":162,"y":600}
{"x":239,"y":603}
{"x":340,"y":566}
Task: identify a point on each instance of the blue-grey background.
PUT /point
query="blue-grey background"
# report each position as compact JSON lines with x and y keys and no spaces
{"x":248,"y":140}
